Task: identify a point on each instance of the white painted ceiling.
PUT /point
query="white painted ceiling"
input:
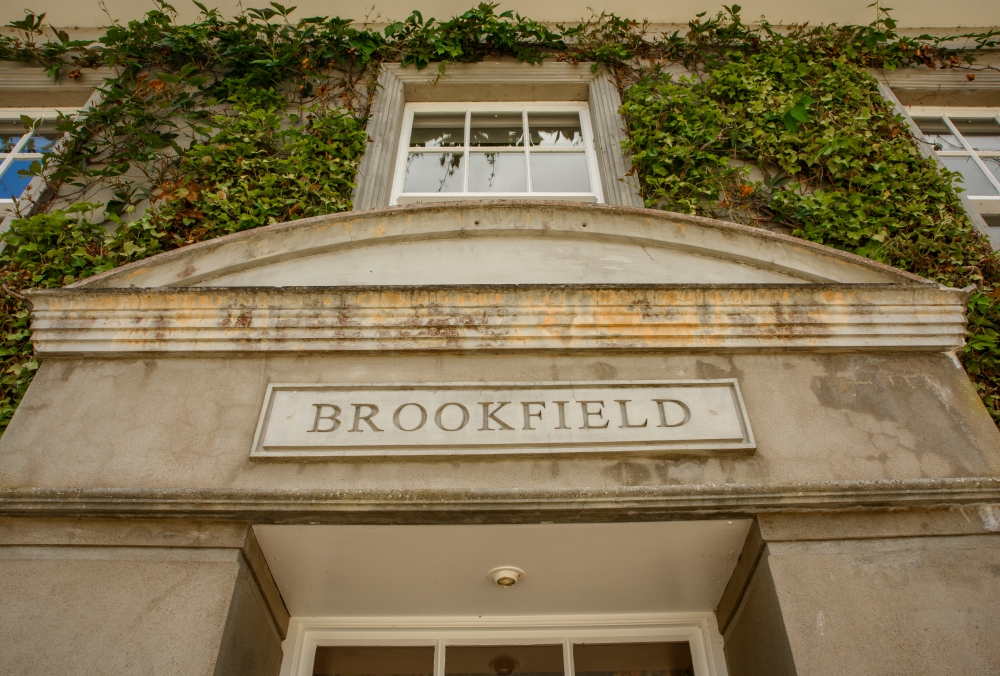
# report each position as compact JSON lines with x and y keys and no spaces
{"x":441,"y":570}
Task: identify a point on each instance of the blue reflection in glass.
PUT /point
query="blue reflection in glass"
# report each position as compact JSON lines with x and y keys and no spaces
{"x":13,"y":184}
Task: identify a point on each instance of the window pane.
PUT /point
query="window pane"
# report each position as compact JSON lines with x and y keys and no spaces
{"x":993,"y":164}
{"x":374,"y":661}
{"x":937,"y":132}
{"x":559,"y":172}
{"x":982,"y":133}
{"x":8,"y":142}
{"x":993,"y":222}
{"x":433,"y":172}
{"x":975,"y":182}
{"x":555,"y":129}
{"x":11,"y":184}
{"x":496,"y":129}
{"x":42,"y":139}
{"x":433,"y":130}
{"x":496,"y":660}
{"x":635,"y":659}
{"x":11,"y":132}
{"x":497,"y":172}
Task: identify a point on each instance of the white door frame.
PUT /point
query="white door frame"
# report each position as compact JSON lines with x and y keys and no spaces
{"x":700,"y":630}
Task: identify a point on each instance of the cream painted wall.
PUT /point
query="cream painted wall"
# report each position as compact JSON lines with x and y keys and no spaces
{"x":909,"y":13}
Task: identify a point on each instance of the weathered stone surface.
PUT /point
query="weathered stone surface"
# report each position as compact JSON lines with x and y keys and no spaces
{"x":113,"y":610}
{"x":181,"y":426}
{"x":136,"y":596}
{"x":910,"y":317}
{"x":756,"y":640}
{"x":900,"y":606}
{"x":690,"y":250}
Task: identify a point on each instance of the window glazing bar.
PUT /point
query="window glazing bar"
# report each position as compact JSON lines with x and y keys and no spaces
{"x":17,"y":149}
{"x":975,"y":156}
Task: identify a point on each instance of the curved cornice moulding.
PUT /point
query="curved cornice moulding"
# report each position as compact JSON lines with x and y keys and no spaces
{"x":697,"y":238}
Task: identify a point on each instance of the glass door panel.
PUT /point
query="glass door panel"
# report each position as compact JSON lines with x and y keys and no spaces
{"x":633,"y":659}
{"x":504,"y":660}
{"x":374,"y":661}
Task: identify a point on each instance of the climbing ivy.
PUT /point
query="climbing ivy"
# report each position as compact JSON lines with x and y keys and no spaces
{"x":221,"y":125}
{"x":791,"y":132}
{"x":261,"y":167}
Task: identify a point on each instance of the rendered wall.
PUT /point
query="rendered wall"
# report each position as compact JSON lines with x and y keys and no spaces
{"x":251,"y":643}
{"x":756,"y":642}
{"x":867,"y":592}
{"x":923,"y":605}
{"x":172,"y":423}
{"x":127,"y":597}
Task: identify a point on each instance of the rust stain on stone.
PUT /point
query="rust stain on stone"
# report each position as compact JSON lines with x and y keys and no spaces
{"x":498,"y":316}
{"x":245,"y":319}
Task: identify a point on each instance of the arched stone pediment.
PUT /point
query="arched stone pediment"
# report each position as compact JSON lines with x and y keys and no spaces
{"x":499,"y":243}
{"x":471,"y":276}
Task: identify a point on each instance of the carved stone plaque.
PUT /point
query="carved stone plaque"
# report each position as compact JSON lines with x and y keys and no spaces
{"x":303,"y":421}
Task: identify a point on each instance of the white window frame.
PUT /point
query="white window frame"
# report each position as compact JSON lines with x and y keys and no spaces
{"x":6,"y":159}
{"x":699,"y":630}
{"x":988,"y":204}
{"x":595,"y":195}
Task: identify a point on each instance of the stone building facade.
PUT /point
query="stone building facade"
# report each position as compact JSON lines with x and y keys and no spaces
{"x":555,"y":435}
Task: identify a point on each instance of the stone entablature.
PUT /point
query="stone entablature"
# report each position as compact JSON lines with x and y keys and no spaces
{"x":536,"y":276}
{"x":865,"y":316}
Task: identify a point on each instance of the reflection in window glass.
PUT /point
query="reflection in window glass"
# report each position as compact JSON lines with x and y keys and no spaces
{"x":374,"y":661}
{"x":42,"y":138}
{"x":497,"y":172}
{"x":496,"y":129}
{"x":8,"y":141}
{"x":433,"y":172}
{"x":457,"y":151}
{"x":981,"y":133}
{"x":633,"y":659}
{"x":555,"y":130}
{"x":993,"y":223}
{"x":13,"y":184}
{"x":559,"y":172}
{"x":22,"y":147}
{"x":938,"y":133}
{"x":517,"y":660}
{"x":433,"y":130}
{"x":975,"y":181}
{"x":993,"y":165}
{"x":970,"y":146}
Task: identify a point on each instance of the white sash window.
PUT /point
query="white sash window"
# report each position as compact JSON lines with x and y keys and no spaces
{"x":968,"y":141}
{"x":20,"y":147}
{"x":456,"y":151}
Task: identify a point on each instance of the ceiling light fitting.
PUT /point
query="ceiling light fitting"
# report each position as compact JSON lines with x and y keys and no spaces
{"x":505,"y":576}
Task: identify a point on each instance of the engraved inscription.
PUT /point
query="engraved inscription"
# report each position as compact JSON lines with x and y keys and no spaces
{"x":437,"y":419}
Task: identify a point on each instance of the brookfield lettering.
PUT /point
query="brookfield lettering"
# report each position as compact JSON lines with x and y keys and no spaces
{"x":592,"y":415}
{"x":541,"y":418}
